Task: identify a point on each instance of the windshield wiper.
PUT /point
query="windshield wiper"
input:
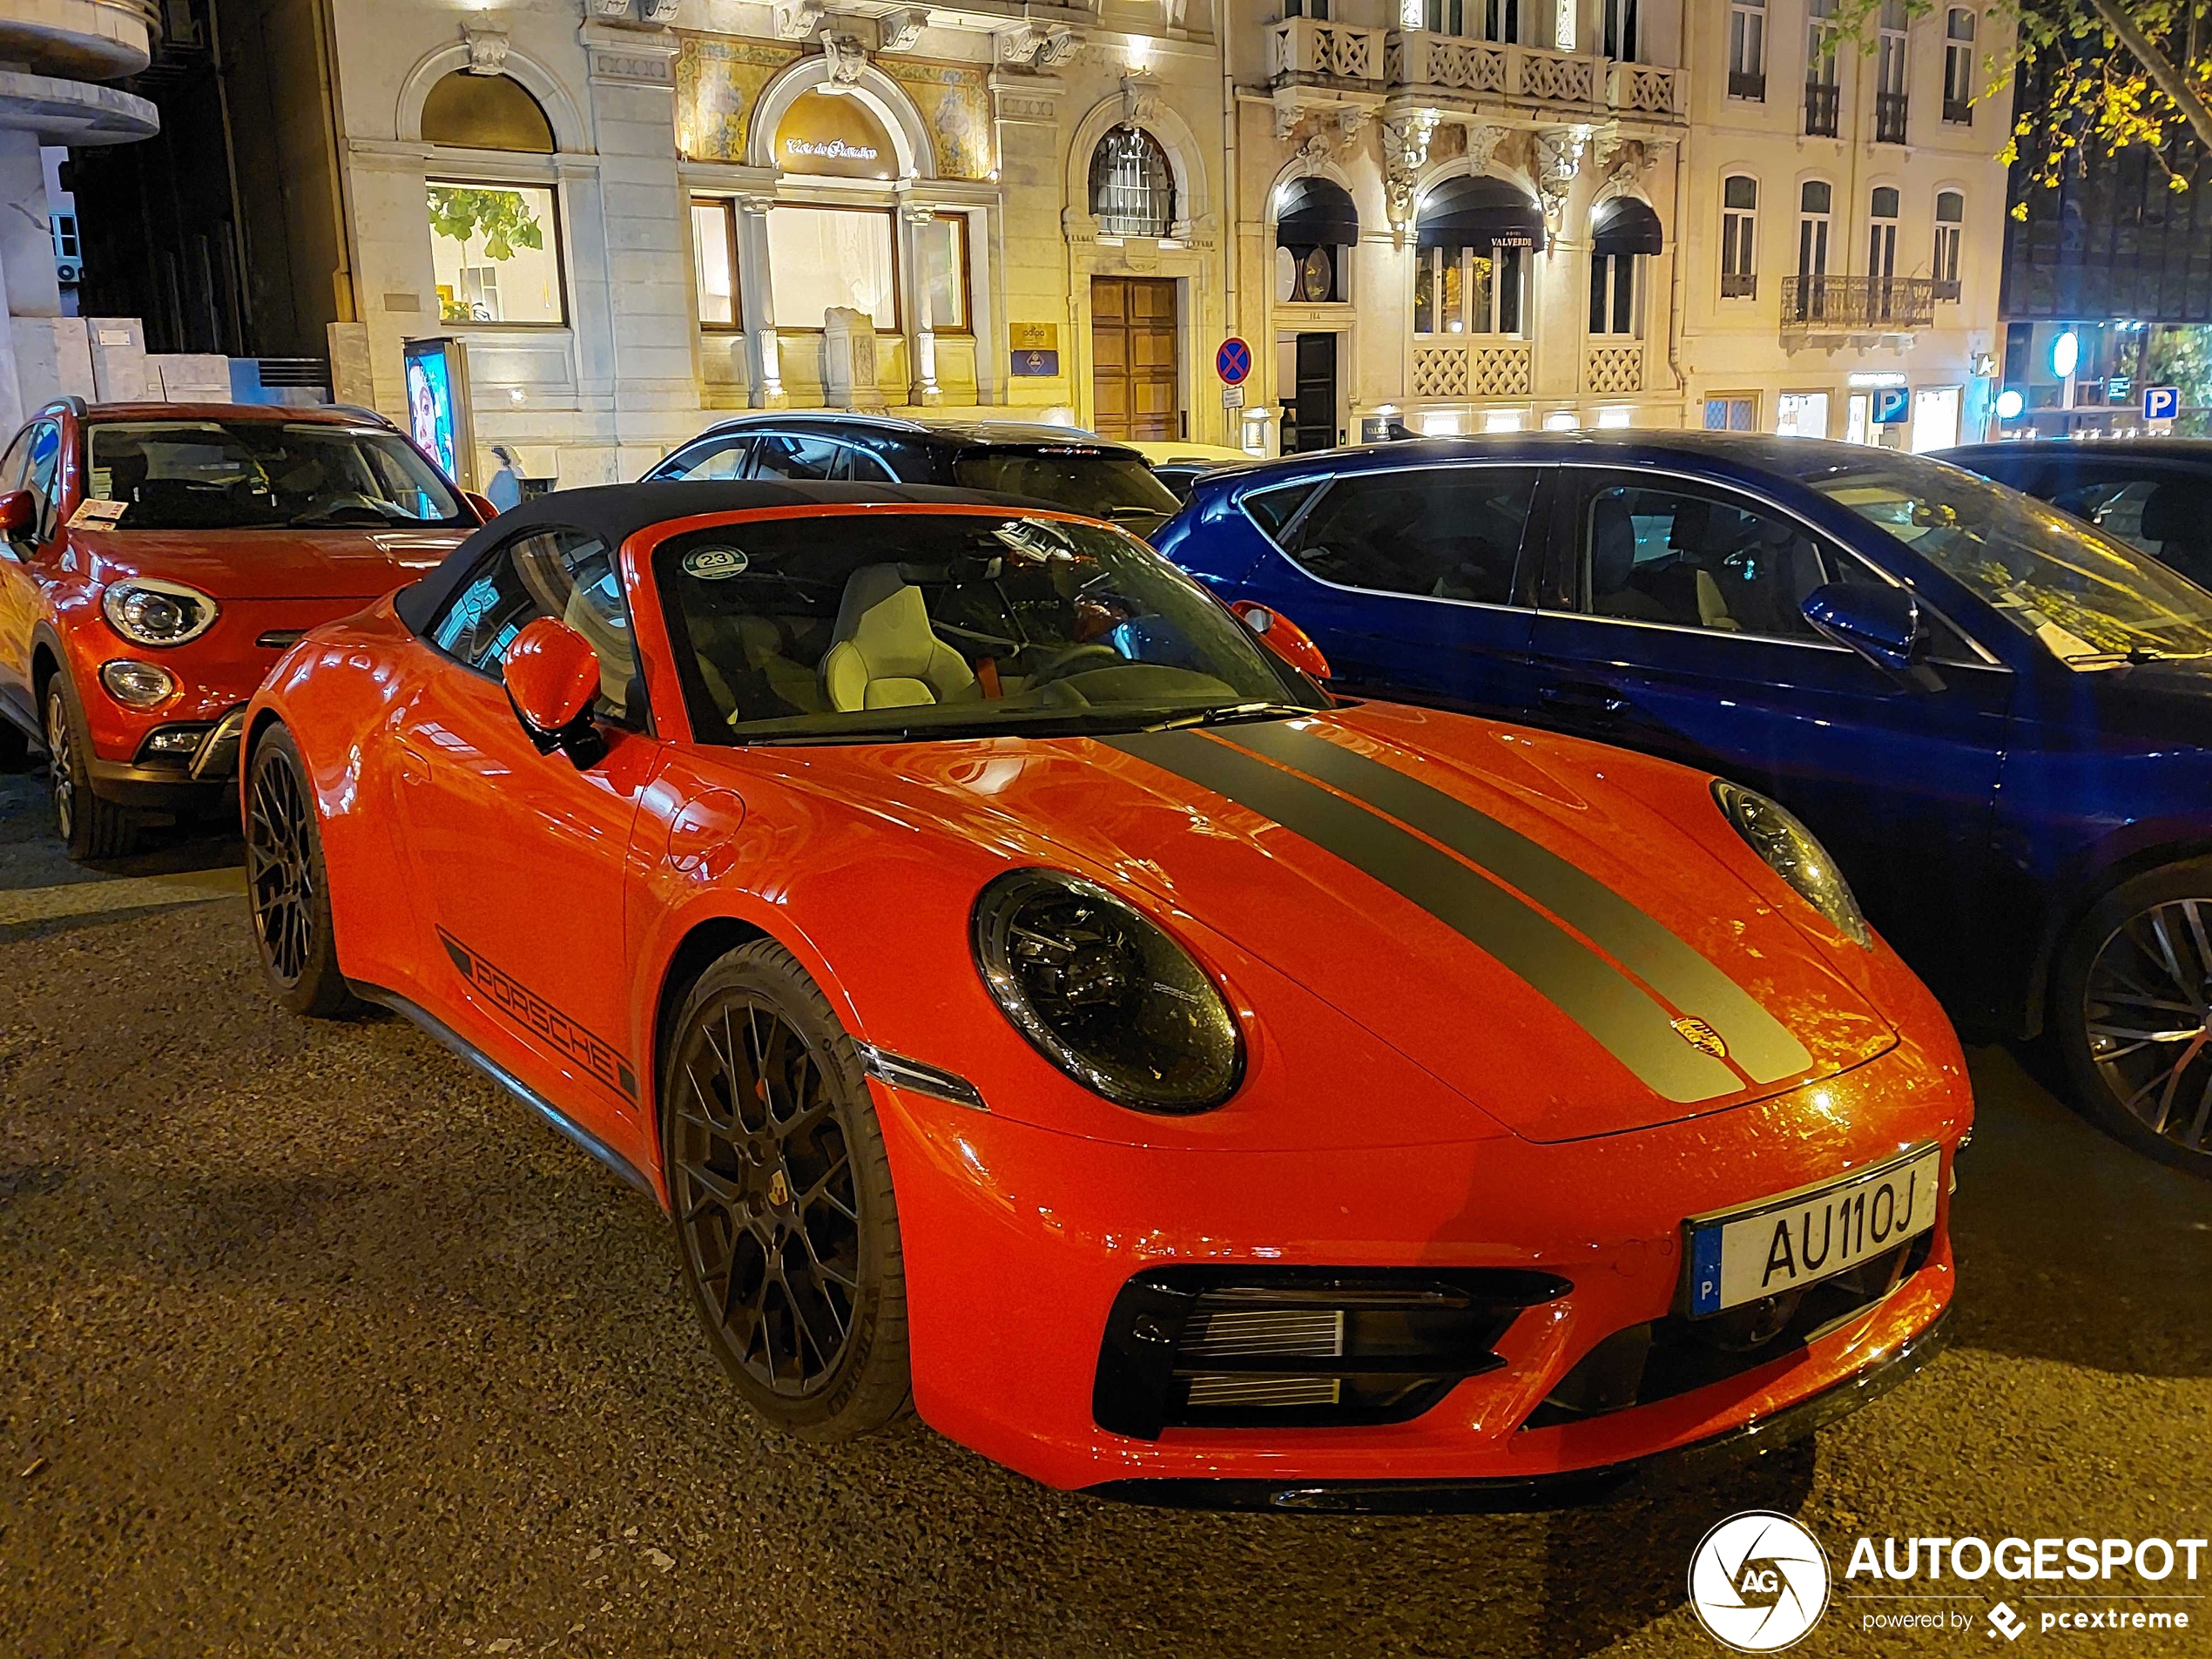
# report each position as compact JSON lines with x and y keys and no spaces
{"x":338,"y":516}
{"x":1230,"y":715}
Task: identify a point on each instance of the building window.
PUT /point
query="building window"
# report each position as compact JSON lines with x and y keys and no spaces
{"x":1889,"y":75}
{"x":940,"y":262}
{"x":1809,"y":301}
{"x":1317,"y":10}
{"x":1732,"y":413}
{"x":1502,"y":20}
{"x":1881,"y":251}
{"x":1440,"y":16}
{"x":1739,"y":237}
{"x":1950,"y":231}
{"x":1801,"y":415}
{"x":1132,"y":190}
{"x":1613,"y":293}
{"x":469,"y":111}
{"x":1747,"y":48}
{"x":1469,"y":290}
{"x":1315,"y":227}
{"x":1959,"y":67}
{"x":1620,"y":30}
{"x":820,"y":257}
{"x":1821,"y":93}
{"x":714,"y":258}
{"x":495,"y":250}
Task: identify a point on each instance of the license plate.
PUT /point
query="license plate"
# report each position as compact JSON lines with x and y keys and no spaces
{"x":1785,"y":1244}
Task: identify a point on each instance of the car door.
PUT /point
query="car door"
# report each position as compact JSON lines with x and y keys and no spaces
{"x":521,"y":856}
{"x":1414,"y":581}
{"x":18,"y":584}
{"x":1670,"y":622}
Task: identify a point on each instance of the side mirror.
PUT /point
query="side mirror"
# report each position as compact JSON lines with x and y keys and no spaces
{"x":485,"y":511}
{"x":552,"y":676}
{"x":18,"y":515}
{"x":1881,"y":623}
{"x":1282,"y":637}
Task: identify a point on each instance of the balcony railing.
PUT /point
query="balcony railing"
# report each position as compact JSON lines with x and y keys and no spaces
{"x":1820,"y":109}
{"x":1739,"y":287}
{"x":1957,"y":112}
{"x":1888,"y":118}
{"x":1313,"y":51}
{"x":1743,"y":85}
{"x":1442,"y":66}
{"x":1857,"y":305}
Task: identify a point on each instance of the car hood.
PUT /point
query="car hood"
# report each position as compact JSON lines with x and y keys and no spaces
{"x":357,"y":564}
{"x":1550,"y":942}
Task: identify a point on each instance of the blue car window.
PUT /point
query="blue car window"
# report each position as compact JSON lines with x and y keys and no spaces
{"x":1272,"y":508}
{"x":1442,"y":533}
{"x":1697,"y":559}
{"x":566,"y":574}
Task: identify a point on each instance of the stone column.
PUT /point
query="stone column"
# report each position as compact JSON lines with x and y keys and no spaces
{"x":764,"y":359}
{"x":921,"y":339}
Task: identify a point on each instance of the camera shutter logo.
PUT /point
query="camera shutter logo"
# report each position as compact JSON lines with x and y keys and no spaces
{"x":1758,"y":1582}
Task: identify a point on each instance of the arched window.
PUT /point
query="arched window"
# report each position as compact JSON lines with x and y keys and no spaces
{"x":1959,"y":67}
{"x":1316,"y":226}
{"x":1475,"y":236}
{"x":485,"y":113}
{"x":1132,"y":189}
{"x":1815,"y":201}
{"x":1739,"y":237}
{"x":1950,"y":231}
{"x":1624,"y":232}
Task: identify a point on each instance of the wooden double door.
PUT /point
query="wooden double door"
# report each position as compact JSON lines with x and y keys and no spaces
{"x":1134,"y":393}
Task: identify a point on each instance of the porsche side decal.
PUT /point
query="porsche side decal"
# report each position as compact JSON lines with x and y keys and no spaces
{"x":1758,"y":1041}
{"x":1616,"y":1012}
{"x":540,"y":1018}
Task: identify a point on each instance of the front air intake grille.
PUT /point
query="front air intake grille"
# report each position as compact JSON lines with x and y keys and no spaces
{"x":1292,"y":1347}
{"x":1664,"y":1358}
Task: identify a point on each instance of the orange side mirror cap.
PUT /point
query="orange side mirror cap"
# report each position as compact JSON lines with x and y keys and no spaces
{"x":1282,"y":637}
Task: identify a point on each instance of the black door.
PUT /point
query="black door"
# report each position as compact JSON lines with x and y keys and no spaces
{"x":1317,"y":395}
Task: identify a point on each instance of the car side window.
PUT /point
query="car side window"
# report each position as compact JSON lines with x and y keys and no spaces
{"x":1439,"y":532}
{"x":865,"y":466}
{"x":1697,"y":559}
{"x":569,"y":575}
{"x":798,"y":456}
{"x":718,"y":459}
{"x":45,"y":469}
{"x":2167,"y":516}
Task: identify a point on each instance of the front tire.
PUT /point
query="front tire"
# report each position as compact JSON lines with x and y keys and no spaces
{"x":287,"y":887}
{"x":780,"y":1190}
{"x":2132,"y":1013}
{"x":90,"y":827}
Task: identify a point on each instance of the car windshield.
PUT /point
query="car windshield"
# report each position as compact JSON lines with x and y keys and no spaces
{"x":2092,"y":601}
{"x":864,"y":627}
{"x":1104,"y":484}
{"x":264,"y":475}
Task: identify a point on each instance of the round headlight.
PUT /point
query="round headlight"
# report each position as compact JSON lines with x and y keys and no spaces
{"x":1792,"y":853}
{"x":139,"y":685}
{"x":151,"y":612}
{"x":1104,"y":993}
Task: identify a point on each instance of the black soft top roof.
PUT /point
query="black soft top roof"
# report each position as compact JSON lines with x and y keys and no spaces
{"x":616,"y":512}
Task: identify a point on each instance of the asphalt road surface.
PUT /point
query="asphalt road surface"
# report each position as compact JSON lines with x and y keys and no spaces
{"x":316,"y":1344}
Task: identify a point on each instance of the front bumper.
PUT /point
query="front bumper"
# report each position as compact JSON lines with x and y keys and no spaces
{"x":201,"y":779}
{"x":1017,"y":1241}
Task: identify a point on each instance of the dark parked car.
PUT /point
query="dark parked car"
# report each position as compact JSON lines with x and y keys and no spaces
{"x":1998,"y":719}
{"x":2152,"y":493}
{"x":1070,"y":468}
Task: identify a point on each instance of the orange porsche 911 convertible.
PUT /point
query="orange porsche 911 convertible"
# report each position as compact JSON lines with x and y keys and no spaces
{"x":1035,"y":1001}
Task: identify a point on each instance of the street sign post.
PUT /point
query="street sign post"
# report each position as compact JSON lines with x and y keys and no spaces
{"x":1232,"y":397}
{"x":1233,"y":361}
{"x":2162,"y":402}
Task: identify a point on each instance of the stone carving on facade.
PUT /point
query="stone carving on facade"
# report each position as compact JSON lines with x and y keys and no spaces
{"x":797,"y":19}
{"x":1559,"y":158}
{"x":1483,"y":139}
{"x":1330,"y":135}
{"x":1031,"y":47}
{"x":847,"y":58}
{"x":487,"y":49}
{"x":1140,"y":97}
{"x":658,"y":13}
{"x":1405,"y":143}
{"x":608,"y":10}
{"x":900,"y":31}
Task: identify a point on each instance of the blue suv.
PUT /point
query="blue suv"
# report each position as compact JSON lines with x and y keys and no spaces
{"x":1997,"y":720}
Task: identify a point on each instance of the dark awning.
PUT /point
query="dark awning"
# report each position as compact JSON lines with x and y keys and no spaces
{"x":1317,"y":213}
{"x":1625,"y":226}
{"x":1478,"y":212}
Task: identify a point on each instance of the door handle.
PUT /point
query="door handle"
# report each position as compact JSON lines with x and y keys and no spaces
{"x":1584,"y":699}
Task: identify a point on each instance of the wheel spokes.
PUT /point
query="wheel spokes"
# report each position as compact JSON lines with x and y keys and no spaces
{"x":2148,"y":1019}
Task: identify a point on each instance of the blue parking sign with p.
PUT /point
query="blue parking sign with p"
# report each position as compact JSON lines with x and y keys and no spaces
{"x":1892,"y":404}
{"x":2162,"y":402}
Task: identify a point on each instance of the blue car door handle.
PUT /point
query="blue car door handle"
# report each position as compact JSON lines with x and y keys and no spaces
{"x":1585,"y":699}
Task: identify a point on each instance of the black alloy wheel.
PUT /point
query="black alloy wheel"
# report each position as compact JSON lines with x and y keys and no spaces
{"x":781,"y":1195}
{"x":287,"y":887}
{"x":2137,"y":980}
{"x":89,"y":826}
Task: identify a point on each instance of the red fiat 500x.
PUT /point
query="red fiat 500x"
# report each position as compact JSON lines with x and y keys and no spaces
{"x":1032,"y":998}
{"x":155,"y":559}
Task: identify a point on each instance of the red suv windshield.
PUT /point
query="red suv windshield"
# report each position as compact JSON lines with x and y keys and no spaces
{"x":264,"y":475}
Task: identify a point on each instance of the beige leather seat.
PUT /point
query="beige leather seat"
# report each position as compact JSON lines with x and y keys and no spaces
{"x":883,"y":654}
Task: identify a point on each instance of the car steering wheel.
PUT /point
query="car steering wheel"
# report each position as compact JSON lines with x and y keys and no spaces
{"x":1070,"y":661}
